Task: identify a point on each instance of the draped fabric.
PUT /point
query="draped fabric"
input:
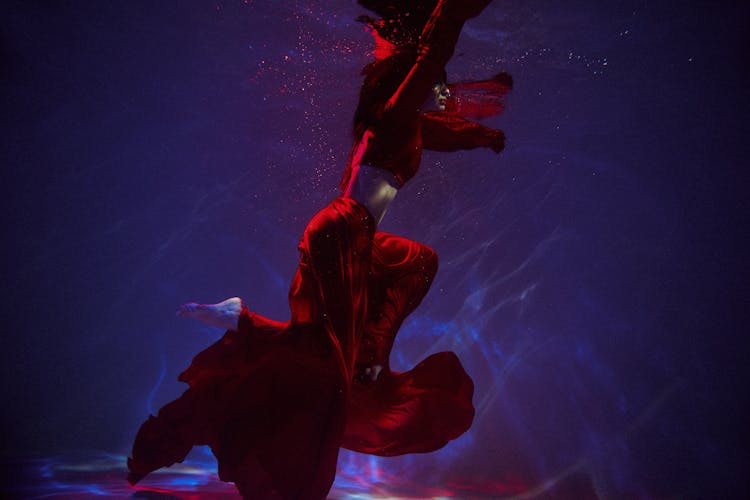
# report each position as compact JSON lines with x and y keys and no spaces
{"x":275,"y":401}
{"x":270,"y":398}
{"x":479,"y":99}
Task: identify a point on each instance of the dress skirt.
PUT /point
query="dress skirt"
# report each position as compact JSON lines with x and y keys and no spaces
{"x":275,"y":401}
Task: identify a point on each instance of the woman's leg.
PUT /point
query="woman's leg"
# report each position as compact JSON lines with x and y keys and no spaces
{"x":335,"y":259}
{"x":401,"y":274}
{"x":419,"y":410}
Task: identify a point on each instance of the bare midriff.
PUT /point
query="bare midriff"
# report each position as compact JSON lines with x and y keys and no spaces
{"x":373,"y":187}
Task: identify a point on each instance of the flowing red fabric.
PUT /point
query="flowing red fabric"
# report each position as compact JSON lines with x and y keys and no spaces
{"x":419,"y":410}
{"x":270,"y":399}
{"x":276,"y":401}
{"x":479,"y":99}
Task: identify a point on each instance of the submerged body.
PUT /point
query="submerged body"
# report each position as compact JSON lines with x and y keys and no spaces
{"x":275,"y":401}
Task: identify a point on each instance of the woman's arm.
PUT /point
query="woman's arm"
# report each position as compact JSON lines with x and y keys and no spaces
{"x":443,"y":131}
{"x":436,"y":45}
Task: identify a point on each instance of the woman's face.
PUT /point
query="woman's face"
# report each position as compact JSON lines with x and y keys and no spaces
{"x":442,"y":93}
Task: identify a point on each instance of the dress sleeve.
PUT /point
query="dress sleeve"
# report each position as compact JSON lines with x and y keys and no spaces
{"x":442,"y":131}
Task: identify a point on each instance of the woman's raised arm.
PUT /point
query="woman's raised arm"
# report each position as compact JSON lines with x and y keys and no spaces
{"x":436,"y":45}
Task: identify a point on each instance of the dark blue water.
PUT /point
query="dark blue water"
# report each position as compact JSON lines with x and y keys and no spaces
{"x":593,"y":275}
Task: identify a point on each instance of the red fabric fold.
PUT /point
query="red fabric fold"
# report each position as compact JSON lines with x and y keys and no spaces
{"x":276,"y":401}
{"x":479,"y":99}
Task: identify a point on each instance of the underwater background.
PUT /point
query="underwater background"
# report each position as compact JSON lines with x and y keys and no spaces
{"x":593,"y":276}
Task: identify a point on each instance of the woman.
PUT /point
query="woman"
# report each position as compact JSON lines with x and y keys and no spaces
{"x":275,"y":401}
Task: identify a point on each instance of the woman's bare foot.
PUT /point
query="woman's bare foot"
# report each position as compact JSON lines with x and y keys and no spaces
{"x":225,"y":314}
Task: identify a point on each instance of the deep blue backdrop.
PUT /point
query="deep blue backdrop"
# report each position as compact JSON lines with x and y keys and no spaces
{"x":593,"y":275}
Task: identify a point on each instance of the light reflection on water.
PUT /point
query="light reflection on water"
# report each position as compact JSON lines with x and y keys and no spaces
{"x":81,"y":475}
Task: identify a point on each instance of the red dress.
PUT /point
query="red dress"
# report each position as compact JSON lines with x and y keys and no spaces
{"x":415,"y":411}
{"x":275,"y":401}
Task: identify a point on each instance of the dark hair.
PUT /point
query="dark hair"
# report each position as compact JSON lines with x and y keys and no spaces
{"x":400,"y":22}
{"x":382,"y":78}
